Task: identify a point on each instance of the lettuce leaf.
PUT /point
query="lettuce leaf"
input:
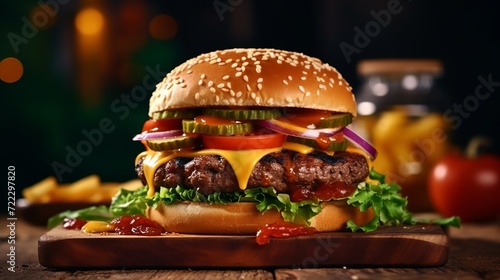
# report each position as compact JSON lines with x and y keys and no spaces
{"x":94,"y":213}
{"x":389,"y":207}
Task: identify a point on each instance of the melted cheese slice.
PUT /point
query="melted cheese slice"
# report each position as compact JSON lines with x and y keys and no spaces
{"x":242,"y":162}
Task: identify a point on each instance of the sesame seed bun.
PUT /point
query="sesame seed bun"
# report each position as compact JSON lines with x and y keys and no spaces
{"x":244,"y":218}
{"x":254,"y":77}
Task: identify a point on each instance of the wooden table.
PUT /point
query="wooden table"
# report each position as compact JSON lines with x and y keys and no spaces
{"x":474,"y":254}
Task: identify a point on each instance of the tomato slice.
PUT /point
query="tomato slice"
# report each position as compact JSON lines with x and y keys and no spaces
{"x":162,"y":125}
{"x":243,"y":142}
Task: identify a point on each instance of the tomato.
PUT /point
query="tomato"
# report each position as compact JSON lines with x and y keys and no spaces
{"x":162,"y":125}
{"x":466,"y":187}
{"x":243,"y":142}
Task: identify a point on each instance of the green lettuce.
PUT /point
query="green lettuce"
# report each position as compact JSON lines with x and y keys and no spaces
{"x":388,"y":206}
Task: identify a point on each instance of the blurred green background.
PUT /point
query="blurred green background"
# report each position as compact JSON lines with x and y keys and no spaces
{"x":82,"y":59}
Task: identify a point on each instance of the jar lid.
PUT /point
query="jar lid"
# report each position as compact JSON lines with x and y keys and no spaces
{"x":393,"y":66}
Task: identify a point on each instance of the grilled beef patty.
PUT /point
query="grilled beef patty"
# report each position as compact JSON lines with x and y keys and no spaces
{"x":281,"y":170}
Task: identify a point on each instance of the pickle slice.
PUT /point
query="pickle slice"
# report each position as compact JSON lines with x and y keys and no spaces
{"x":334,"y":146}
{"x":174,"y":143}
{"x":190,"y":126}
{"x":244,"y":114}
{"x":336,"y":120}
{"x":175,"y":114}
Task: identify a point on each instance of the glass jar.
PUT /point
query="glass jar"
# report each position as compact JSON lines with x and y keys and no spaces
{"x":400,"y":105}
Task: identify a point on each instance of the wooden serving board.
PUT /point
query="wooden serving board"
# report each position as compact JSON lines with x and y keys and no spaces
{"x":405,"y":246}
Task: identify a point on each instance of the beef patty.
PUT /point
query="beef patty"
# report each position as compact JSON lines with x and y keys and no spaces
{"x":281,"y":170}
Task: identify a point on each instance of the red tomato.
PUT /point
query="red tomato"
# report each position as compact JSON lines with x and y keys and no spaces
{"x":243,"y":142}
{"x":162,"y":125}
{"x":468,"y":188}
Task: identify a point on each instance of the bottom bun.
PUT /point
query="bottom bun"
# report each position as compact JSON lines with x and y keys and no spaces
{"x":244,"y":218}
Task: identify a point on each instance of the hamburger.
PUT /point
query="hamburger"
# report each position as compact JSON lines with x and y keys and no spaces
{"x":242,"y":138}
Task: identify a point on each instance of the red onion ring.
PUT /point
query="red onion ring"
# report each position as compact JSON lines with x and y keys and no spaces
{"x":157,"y":135}
{"x":290,"y":129}
{"x":360,"y":143}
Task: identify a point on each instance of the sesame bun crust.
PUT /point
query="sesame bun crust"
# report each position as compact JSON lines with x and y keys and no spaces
{"x":254,"y":77}
{"x":244,"y":218}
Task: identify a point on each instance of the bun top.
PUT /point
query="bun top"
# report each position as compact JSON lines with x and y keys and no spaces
{"x":254,"y":77}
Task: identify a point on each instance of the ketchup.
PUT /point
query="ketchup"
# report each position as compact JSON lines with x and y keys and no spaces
{"x":281,"y":229}
{"x":136,"y":225}
{"x":71,"y":223}
{"x":323,"y":192}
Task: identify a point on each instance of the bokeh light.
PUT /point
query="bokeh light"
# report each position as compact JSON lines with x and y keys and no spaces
{"x":11,"y":70}
{"x":89,"y":21}
{"x":163,"y":27}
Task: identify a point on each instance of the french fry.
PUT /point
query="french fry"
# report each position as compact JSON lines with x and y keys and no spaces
{"x":88,"y":189}
{"x":78,"y":191}
{"x":40,"y":192}
{"x":131,"y":185}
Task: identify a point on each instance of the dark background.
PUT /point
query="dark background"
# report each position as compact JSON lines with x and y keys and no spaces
{"x":45,"y":112}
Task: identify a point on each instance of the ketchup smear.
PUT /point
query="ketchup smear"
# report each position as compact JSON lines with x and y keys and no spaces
{"x":281,"y":229}
{"x":323,"y":192}
{"x":71,"y":223}
{"x":136,"y":225}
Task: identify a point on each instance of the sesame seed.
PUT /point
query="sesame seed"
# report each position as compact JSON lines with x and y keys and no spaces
{"x":259,"y":86}
{"x":221,"y":85}
{"x":212,"y":89}
{"x":245,"y":63}
{"x":225,"y":77}
{"x":308,"y":93}
{"x":232,"y":93}
{"x":238,"y":74}
{"x":253,"y":95}
{"x":239,"y":94}
{"x":217,"y":98}
{"x":200,"y":82}
{"x":259,"y":80}
{"x":257,"y":100}
{"x":245,"y":77}
{"x":270,"y":101}
{"x":304,"y":72}
{"x":258,"y":69}
{"x":248,"y":87}
{"x":183,"y":85}
{"x":279,"y":61}
{"x":234,"y":65}
{"x":224,"y":89}
{"x":189,"y":71}
{"x":288,"y":99}
{"x":256,"y":62}
{"x":203,"y":76}
{"x":197,"y":96}
{"x":285,"y":82}
{"x":225,"y":102}
{"x":210,"y":83}
{"x":228,"y":84}
{"x":290,"y":78}
{"x":301,"y":88}
{"x":303,"y":78}
{"x":331,"y":85}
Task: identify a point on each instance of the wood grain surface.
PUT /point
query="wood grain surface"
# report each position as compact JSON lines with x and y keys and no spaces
{"x":474,"y":253}
{"x":408,"y":246}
